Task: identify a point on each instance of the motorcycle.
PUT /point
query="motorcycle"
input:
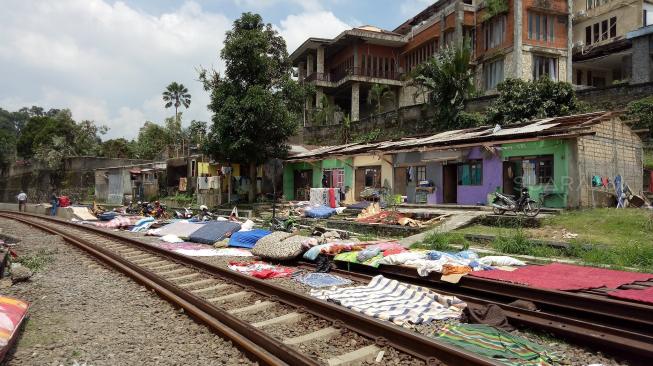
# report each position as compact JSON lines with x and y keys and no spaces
{"x":503,"y":202}
{"x":186,"y":214}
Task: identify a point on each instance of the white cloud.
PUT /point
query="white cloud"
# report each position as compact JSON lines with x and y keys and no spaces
{"x":310,"y":5}
{"x":295,"y":29}
{"x":410,"y":8}
{"x":105,"y":61}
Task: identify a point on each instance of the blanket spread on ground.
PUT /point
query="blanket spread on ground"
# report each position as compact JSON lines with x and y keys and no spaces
{"x":565,"y":277}
{"x":394,"y":301}
{"x":497,"y":344}
{"x":12,"y":314}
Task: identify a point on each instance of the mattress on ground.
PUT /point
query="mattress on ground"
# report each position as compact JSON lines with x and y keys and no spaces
{"x":213,"y":231}
{"x":83,"y":213}
{"x":182,"y":229}
{"x":12,"y":314}
{"x":565,"y":277}
{"x":320,"y":212}
{"x":247,"y":239}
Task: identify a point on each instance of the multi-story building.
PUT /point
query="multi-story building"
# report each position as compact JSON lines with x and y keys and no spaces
{"x":525,"y":39}
{"x":602,"y":52}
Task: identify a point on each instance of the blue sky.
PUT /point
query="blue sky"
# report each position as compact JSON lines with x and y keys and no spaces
{"x":109,"y":61}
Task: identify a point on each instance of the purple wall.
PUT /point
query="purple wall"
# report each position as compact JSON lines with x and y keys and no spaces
{"x":492,"y":178}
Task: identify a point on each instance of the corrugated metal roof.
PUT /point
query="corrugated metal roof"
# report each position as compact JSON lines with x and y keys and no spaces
{"x":547,"y":127}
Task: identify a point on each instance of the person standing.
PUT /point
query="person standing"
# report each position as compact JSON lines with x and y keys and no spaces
{"x":22,"y":201}
{"x":54,"y":201}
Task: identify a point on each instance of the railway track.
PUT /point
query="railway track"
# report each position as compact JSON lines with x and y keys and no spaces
{"x":231,"y":304}
{"x":590,"y":318}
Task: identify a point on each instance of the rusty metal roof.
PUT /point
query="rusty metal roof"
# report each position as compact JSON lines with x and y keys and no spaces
{"x":556,"y":127}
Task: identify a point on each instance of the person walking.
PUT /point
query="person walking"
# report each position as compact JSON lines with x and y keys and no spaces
{"x":54,"y":201}
{"x":22,"y":201}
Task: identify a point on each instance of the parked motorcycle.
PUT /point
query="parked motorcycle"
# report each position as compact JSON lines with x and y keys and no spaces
{"x":185,"y":214}
{"x":503,"y":202}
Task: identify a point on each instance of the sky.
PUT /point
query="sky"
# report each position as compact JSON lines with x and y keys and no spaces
{"x":109,"y":61}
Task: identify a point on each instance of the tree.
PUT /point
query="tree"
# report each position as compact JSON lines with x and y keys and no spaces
{"x":117,"y":148}
{"x":153,"y":140}
{"x":176,"y":95}
{"x":378,"y":95}
{"x":447,"y":80}
{"x":521,"y":100}
{"x":52,"y":154}
{"x":255,"y":103}
{"x":39,"y":130}
{"x":196,"y":132}
{"x":641,"y":111}
{"x":7,"y":138}
{"x":87,"y":141}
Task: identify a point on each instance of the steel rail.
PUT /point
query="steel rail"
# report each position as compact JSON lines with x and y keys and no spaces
{"x":628,"y":345}
{"x":433,"y":352}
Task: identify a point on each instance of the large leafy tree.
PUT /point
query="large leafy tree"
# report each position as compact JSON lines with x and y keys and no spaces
{"x":153,"y":141}
{"x":40,"y":129}
{"x":522,"y":100}
{"x":196,"y":132}
{"x":447,"y":81}
{"x":117,"y":148}
{"x":176,"y":94}
{"x":255,"y":104}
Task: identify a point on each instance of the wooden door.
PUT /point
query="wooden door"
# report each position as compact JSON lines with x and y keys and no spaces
{"x":359,"y":183}
{"x":400,"y":181}
{"x":450,"y":183}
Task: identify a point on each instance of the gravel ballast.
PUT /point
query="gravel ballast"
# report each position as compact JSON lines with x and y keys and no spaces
{"x":85,"y":313}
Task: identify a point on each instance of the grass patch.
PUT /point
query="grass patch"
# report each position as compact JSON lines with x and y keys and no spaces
{"x":518,"y":243}
{"x":443,"y":242}
{"x":648,"y":158}
{"x":36,"y":262}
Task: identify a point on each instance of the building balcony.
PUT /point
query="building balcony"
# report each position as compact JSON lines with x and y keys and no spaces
{"x":356,"y":73}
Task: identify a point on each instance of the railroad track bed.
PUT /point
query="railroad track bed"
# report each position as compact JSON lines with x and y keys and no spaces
{"x":285,"y":323}
{"x":83,"y":311}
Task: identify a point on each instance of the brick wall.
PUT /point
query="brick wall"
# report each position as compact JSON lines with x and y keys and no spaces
{"x":614,"y":150}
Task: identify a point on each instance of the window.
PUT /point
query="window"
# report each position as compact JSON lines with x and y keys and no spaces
{"x":544,"y":170}
{"x":597,"y":32}
{"x":588,"y":35}
{"x":470,"y":173}
{"x":579,"y":77}
{"x":541,"y":27}
{"x":494,"y":31}
{"x":590,"y":4}
{"x":543,"y":65}
{"x":493,"y":74}
{"x":613,"y":27}
{"x":604,"y":30}
{"x":372,"y":177}
{"x":420,"y":173}
{"x":448,"y":38}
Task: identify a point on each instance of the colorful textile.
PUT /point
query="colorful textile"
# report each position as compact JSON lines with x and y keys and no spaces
{"x":261,"y":270}
{"x":352,"y":257}
{"x":318,"y":280}
{"x":182,"y":184}
{"x":497,"y":344}
{"x":142,"y":224}
{"x":565,"y":277}
{"x":119,"y":222}
{"x":332,"y":198}
{"x":448,"y":269}
{"x":321,"y":197}
{"x":366,"y":254}
{"x":645,"y":295}
{"x":394,"y":301}
{"x":12,"y":314}
{"x":181,"y":228}
{"x":247,"y":239}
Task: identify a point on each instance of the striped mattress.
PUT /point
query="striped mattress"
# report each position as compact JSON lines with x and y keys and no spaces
{"x":394,"y":301}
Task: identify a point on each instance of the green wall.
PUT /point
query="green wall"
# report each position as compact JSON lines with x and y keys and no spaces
{"x":290,"y":168}
{"x":561,"y":151}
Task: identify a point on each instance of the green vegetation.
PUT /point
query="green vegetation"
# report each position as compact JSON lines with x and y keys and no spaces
{"x":605,"y":237}
{"x":494,"y":8}
{"x":255,"y":104}
{"x":447,"y":80}
{"x":648,"y":158}
{"x":37,"y":261}
{"x":642,"y":112}
{"x":378,"y":95}
{"x":450,"y":241}
{"x":521,"y":100}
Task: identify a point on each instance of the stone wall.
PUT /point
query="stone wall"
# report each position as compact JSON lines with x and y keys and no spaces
{"x":416,"y":119}
{"x":614,"y":150}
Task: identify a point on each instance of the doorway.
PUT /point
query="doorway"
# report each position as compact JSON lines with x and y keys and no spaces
{"x":366,"y":177}
{"x":450,"y":183}
{"x":302,"y":184}
{"x":512,"y":177}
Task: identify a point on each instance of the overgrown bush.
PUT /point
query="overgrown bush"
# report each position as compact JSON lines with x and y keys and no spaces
{"x":521,"y":100}
{"x":642,"y":111}
{"x":443,"y":242}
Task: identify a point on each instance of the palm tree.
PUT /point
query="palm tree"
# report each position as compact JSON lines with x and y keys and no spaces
{"x":379,"y":94}
{"x":176,"y":94}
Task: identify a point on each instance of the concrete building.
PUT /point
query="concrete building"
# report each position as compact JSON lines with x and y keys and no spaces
{"x":642,"y":63}
{"x":603,"y":54}
{"x":521,"y":39}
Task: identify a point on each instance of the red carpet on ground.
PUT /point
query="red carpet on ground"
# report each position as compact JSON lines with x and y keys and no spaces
{"x":565,"y":277}
{"x":645,"y":295}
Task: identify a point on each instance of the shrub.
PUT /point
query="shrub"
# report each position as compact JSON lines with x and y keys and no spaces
{"x":443,"y":242}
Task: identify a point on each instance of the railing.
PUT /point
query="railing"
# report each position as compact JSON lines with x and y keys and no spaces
{"x":355,"y":71}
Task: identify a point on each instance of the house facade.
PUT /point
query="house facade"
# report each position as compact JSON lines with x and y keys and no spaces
{"x":525,"y":39}
{"x":560,"y":160}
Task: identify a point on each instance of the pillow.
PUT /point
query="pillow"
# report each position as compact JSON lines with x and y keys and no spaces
{"x":279,"y":246}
